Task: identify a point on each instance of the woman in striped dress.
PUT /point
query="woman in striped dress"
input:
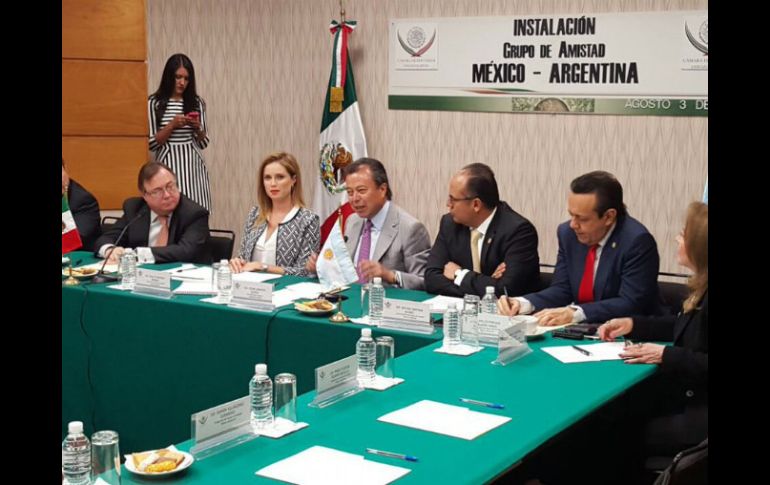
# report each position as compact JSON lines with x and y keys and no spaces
{"x":178,"y":128}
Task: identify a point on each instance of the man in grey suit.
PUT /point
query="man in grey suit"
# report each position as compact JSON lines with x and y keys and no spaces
{"x":382,"y":238}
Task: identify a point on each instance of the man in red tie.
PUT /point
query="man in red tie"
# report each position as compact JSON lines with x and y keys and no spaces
{"x":163,"y":224}
{"x":607,"y":265}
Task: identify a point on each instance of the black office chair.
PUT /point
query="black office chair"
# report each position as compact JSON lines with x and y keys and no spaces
{"x":688,"y":467}
{"x":673,"y":294}
{"x":221,"y":243}
{"x":108,"y":222}
{"x":546,"y":276}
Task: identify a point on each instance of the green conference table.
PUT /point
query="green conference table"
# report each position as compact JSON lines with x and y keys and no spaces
{"x":541,"y":395}
{"x":142,"y":365}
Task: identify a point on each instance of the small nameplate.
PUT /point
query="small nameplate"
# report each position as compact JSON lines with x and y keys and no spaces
{"x":406,"y":311}
{"x":253,"y":291}
{"x":221,"y":419}
{"x":156,"y":280}
{"x":332,"y":375}
{"x":489,"y":326}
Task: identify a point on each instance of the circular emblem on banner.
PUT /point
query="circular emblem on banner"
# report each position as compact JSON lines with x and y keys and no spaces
{"x":334,"y":157}
{"x":703,"y":32}
{"x":415,"y":37}
{"x":328,"y":254}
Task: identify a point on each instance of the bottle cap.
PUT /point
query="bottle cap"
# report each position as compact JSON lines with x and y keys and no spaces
{"x":75,"y":427}
{"x":491,"y":289}
{"x":260,"y":369}
{"x":378,"y":280}
{"x":366,"y":332}
{"x":222,"y":261}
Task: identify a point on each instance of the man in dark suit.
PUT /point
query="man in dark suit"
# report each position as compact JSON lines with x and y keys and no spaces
{"x":84,"y":208}
{"x":166,"y":226}
{"x":607,"y":265}
{"x":481,"y":241}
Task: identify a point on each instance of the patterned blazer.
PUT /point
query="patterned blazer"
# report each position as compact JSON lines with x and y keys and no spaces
{"x":296,"y":239}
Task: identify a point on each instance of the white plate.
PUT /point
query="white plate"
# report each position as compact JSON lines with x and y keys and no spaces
{"x":188,"y":460}
{"x":314,"y":312}
{"x":77,"y":274}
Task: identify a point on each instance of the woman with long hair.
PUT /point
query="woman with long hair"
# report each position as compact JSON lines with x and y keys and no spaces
{"x":177,"y":118}
{"x":677,"y":397}
{"x":280,"y":233}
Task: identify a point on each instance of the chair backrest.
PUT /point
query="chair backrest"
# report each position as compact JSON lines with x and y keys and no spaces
{"x":221,"y":243}
{"x":673,"y":294}
{"x":108,"y":222}
{"x":689,"y":467}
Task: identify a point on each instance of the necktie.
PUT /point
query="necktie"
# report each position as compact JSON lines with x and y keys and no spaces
{"x":475,"y":236}
{"x":586,"y":291}
{"x":363,"y":253}
{"x":163,"y":235}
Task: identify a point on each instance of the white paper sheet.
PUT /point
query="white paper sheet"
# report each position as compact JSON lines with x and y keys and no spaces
{"x":460,"y":349}
{"x":190,"y":287}
{"x":381,"y":383}
{"x":282,"y":427}
{"x":319,"y":465}
{"x":438,"y":304}
{"x":306,"y":290}
{"x":254,"y":276}
{"x":445,"y":419}
{"x":601,"y":351}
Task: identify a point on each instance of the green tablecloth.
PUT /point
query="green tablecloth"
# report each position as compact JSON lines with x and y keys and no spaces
{"x":540,"y":394}
{"x":141,"y":365}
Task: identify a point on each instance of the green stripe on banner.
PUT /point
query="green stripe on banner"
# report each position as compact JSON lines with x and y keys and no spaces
{"x":349,"y":96}
{"x":553,"y":105}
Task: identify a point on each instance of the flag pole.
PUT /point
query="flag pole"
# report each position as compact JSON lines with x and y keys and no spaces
{"x":342,"y":13}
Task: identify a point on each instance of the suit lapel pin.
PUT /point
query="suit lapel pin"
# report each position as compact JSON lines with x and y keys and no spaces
{"x":489,"y":241}
{"x":614,"y":244}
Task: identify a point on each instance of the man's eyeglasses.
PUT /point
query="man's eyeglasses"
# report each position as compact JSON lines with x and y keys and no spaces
{"x":172,"y":188}
{"x":454,"y":200}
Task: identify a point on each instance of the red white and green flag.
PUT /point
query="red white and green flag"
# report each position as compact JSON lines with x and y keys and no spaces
{"x":70,"y":238}
{"x":342,"y":135}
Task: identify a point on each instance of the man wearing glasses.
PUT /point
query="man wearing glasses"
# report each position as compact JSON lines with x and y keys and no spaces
{"x":481,"y":241}
{"x":163,"y":225}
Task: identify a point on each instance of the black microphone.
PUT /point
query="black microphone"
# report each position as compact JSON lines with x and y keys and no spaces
{"x":100,"y":276}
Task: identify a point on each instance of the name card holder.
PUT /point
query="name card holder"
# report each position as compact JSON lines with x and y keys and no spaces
{"x":489,"y":326}
{"x":251,"y":295}
{"x":220,"y":428}
{"x":335,"y":382}
{"x":153,"y":283}
{"x":512,"y":343}
{"x":409,"y":316}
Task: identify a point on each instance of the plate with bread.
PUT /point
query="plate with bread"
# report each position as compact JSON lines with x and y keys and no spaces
{"x":315,"y":307}
{"x":159,"y":463}
{"x":80,"y":273}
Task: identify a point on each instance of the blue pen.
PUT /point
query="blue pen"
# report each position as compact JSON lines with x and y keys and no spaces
{"x":390,"y":454}
{"x":482,"y":403}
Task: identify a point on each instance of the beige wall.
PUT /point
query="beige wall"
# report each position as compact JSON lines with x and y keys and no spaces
{"x":262,"y":67}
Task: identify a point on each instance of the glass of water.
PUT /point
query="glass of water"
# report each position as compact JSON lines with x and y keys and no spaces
{"x":105,"y":457}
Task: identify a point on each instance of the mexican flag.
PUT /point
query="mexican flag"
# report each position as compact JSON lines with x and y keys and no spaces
{"x":342,"y":135}
{"x":70,"y":238}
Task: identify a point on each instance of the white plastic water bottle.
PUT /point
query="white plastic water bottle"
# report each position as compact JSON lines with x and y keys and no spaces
{"x":128,"y":269}
{"x":224,"y":281}
{"x":489,"y":302}
{"x":470,"y":322}
{"x":376,"y":300}
{"x":451,"y":325}
{"x":366,"y":351}
{"x":76,"y":455}
{"x":261,"y":392}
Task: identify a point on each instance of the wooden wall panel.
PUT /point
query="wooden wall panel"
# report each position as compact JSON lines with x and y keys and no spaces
{"x":104,"y":98}
{"x":93,"y":29}
{"x":106,"y":166}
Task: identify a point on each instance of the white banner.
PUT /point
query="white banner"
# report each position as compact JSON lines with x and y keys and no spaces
{"x":618,"y":63}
